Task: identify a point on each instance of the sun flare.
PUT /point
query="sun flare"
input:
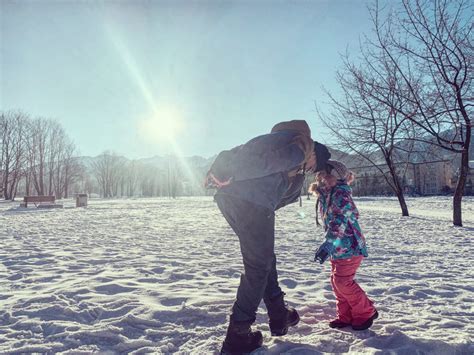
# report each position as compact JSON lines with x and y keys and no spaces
{"x":163,"y":125}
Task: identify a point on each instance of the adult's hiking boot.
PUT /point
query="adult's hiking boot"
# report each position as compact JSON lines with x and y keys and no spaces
{"x":240,"y":339}
{"x":367,"y":324}
{"x":281,"y":315}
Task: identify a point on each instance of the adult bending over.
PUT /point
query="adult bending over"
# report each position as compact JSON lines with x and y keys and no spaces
{"x":253,"y":180}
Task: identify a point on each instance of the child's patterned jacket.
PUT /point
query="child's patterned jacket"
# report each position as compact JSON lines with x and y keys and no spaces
{"x":340,"y":214}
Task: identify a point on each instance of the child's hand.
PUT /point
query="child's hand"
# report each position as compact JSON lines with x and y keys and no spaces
{"x":323,"y":252}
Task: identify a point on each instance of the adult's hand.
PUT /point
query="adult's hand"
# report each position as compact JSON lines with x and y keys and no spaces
{"x":213,"y":182}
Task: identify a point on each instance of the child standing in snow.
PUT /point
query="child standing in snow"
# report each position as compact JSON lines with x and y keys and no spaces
{"x":344,"y":245}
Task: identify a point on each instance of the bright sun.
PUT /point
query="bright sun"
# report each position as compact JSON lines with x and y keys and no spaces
{"x":164,"y":125}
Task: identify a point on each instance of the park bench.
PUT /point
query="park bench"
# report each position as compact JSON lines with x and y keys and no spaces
{"x":38,"y":200}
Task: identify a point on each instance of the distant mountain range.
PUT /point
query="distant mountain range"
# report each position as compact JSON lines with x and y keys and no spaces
{"x":160,"y":162}
{"x":198,"y":165}
{"x":163,"y":161}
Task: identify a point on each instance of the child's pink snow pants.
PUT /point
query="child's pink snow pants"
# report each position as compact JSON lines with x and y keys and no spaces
{"x":353,"y":305}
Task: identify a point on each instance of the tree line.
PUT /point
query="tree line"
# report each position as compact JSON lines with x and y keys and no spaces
{"x":116,"y":176}
{"x":37,"y":157}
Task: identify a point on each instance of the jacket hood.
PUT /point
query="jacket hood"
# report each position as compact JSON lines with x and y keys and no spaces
{"x":295,"y":125}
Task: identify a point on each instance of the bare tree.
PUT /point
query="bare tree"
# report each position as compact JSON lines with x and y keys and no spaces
{"x":174,"y":177}
{"x":118,"y":181}
{"x":131,"y":178}
{"x":106,"y":169}
{"x":54,"y":149}
{"x":429,"y":44}
{"x":38,"y":149}
{"x":148,"y":181}
{"x":12,"y":151}
{"x":51,"y":166}
{"x":364,"y":126}
{"x":84,"y":182}
{"x":70,"y":170}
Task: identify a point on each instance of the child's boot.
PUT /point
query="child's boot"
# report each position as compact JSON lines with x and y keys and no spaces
{"x":366,"y":324}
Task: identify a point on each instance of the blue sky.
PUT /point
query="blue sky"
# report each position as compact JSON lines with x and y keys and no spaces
{"x":146,"y":78}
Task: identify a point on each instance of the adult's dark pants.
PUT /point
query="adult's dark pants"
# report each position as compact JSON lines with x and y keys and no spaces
{"x":255,"y":227}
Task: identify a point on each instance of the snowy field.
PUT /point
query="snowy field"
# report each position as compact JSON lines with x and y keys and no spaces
{"x":159,"y":276}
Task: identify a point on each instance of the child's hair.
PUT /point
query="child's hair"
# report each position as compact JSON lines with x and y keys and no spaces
{"x":324,"y":178}
{"x":321,"y":179}
{"x":350,"y":177}
{"x":313,"y":189}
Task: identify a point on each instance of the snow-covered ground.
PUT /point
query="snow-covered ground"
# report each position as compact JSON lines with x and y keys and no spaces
{"x":159,"y":276}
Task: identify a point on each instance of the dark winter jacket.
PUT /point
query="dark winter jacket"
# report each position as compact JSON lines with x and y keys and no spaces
{"x":260,"y":170}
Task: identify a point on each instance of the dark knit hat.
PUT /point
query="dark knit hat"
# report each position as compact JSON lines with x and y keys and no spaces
{"x":322,"y":156}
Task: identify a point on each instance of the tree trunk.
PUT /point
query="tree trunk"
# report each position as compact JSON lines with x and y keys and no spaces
{"x":36,"y":183}
{"x":13,"y":184}
{"x":27,"y":183}
{"x":403,"y":204}
{"x":66,"y":182}
{"x":41,"y":182}
{"x":15,"y":191}
{"x":458,"y":193}
{"x":5,"y":184}
{"x":400,"y":196}
{"x":50,"y":185}
{"x":397,"y":187}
